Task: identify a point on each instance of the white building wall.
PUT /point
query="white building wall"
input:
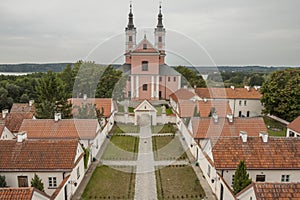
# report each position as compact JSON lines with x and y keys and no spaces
{"x":272,"y":176}
{"x":247,"y":195}
{"x":6,"y":135}
{"x":254,"y":106}
{"x":290,"y":131}
{"x":38,"y":196}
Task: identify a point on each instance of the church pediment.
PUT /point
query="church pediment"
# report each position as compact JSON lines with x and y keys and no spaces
{"x":145,"y":47}
{"x":145,"y":106}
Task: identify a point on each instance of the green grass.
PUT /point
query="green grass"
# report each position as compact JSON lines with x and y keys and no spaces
{"x":178,"y":182}
{"x":130,"y":109}
{"x":166,"y":128}
{"x":169,"y":111}
{"x":125,"y":128}
{"x":121,"y":148}
{"x":168,"y":148}
{"x":108,"y":183}
{"x":120,"y":108}
{"x":275,"y":128}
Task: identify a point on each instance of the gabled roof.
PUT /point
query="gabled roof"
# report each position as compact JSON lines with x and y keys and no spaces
{"x":19,"y":193}
{"x":228,"y":93}
{"x":206,"y":127}
{"x":22,"y":107}
{"x":221,"y":108}
{"x":40,"y":155}
{"x":62,"y":129}
{"x":271,"y":191}
{"x":186,"y":108}
{"x":140,"y":47}
{"x":14,"y":120}
{"x":295,"y":125}
{"x":276,"y":153}
{"x":145,"y":106}
{"x":105,"y":103}
{"x":183,"y":94}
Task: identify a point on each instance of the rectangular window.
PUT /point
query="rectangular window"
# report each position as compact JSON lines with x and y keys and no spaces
{"x":130,"y":38}
{"x":174,"y":78}
{"x":160,"y":79}
{"x":240,"y":103}
{"x":245,"y":103}
{"x":145,"y":87}
{"x":22,"y":181}
{"x":260,"y":178}
{"x":285,"y":178}
{"x":240,"y":113}
{"x":144,"y":65}
{"x":232,"y":180}
{"x":208,"y":170}
{"x":291,"y":134}
{"x":129,"y":94}
{"x":248,"y":113}
{"x":52,"y":182}
{"x":78,"y":172}
{"x":159,"y":39}
{"x":169,"y":78}
{"x":144,"y":46}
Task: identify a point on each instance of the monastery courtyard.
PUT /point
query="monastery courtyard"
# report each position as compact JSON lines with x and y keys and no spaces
{"x":145,"y":162}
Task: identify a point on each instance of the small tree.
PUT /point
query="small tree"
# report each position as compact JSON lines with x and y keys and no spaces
{"x":37,"y":183}
{"x":241,"y":177}
{"x":2,"y":182}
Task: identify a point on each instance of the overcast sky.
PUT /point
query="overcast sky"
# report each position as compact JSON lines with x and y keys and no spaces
{"x":226,"y":32}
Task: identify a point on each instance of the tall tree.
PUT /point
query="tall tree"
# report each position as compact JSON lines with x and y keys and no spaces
{"x":281,"y":94}
{"x":37,"y":183}
{"x":52,"y":97}
{"x":2,"y":181}
{"x":192,"y":77}
{"x":241,"y":177}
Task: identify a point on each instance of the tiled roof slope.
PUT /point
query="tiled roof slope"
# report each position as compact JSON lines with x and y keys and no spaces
{"x":206,"y":127}
{"x":105,"y":103}
{"x":228,"y":93}
{"x":62,"y":129}
{"x":295,"y":125}
{"x":183,"y":94}
{"x":186,"y":108}
{"x":21,"y":107}
{"x":276,"y":153}
{"x":14,"y":120}
{"x":222,"y":108}
{"x":18,"y":193}
{"x":278,"y":191}
{"x":38,"y":155}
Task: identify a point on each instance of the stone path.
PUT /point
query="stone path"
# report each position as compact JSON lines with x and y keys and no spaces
{"x":145,"y":183}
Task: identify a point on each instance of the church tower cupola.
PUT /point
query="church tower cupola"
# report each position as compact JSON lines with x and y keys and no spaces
{"x":159,"y":35}
{"x":130,"y":31}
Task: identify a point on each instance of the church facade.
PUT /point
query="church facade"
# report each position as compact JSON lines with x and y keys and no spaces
{"x":149,"y":76}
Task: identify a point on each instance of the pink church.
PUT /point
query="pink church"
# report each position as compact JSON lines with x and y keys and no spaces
{"x":149,"y":77}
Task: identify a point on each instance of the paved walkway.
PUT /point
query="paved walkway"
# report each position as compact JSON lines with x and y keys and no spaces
{"x":145,"y":183}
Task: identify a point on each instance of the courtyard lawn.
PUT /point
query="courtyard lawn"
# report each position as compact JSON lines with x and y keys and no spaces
{"x":108,"y":183}
{"x":168,"y":148}
{"x":275,"y":128}
{"x":125,"y":128}
{"x":178,"y":182}
{"x":121,"y":148}
{"x":166,"y":128}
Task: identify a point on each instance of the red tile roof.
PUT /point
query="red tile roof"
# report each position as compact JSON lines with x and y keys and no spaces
{"x":105,"y":103}
{"x":22,"y":107}
{"x":13,"y":121}
{"x":39,"y":155}
{"x":276,"y":153}
{"x":271,"y":191}
{"x":295,"y":125}
{"x":19,"y":193}
{"x":62,"y":129}
{"x":228,"y":93}
{"x":222,"y":108}
{"x":186,"y":108}
{"x":182,"y":94}
{"x":206,"y":127}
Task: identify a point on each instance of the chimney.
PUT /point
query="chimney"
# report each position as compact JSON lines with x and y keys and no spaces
{"x":4,"y":113}
{"x":205,"y":100}
{"x":256,"y":87}
{"x":57,"y":117}
{"x":247,"y":87}
{"x":230,"y":118}
{"x":215,"y":117}
{"x":243,"y":135}
{"x":85,"y":97}
{"x":232,"y":87}
{"x":21,"y":136}
{"x":264,"y":136}
{"x":31,"y":102}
